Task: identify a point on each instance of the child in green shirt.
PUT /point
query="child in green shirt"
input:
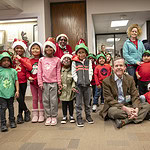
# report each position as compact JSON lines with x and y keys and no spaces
{"x":9,"y":87}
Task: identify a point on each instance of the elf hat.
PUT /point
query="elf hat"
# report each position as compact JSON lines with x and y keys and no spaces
{"x":38,"y":43}
{"x":146,"y":51}
{"x":51,"y":42}
{"x":100,"y":55}
{"x":19,"y":42}
{"x":92,"y":55}
{"x":60,"y":35}
{"x":66,"y":55}
{"x":81,"y":44}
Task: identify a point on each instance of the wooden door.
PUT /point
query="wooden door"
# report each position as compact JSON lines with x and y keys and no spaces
{"x":69,"y":18}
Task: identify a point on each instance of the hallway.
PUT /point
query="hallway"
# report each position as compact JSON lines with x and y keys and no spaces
{"x":98,"y":136}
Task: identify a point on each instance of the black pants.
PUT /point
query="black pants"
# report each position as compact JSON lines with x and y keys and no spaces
{"x":143,"y":86}
{"x":21,"y":100}
{"x":4,"y":104}
{"x":66,"y":104}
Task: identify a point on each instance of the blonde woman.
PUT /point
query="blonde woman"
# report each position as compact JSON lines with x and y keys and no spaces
{"x":133,"y":49}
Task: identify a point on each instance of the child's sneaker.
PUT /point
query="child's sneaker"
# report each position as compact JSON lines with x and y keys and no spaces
{"x":48,"y":121}
{"x":64,"y":120}
{"x":94,"y":108}
{"x":89,"y":120}
{"x":72,"y":120}
{"x":54,"y":121}
{"x":80,"y":122}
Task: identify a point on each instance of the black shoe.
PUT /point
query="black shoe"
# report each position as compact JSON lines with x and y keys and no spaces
{"x":13,"y":125}
{"x":20,"y":119}
{"x":89,"y":120}
{"x":119,"y":123}
{"x":80,"y":122}
{"x":72,"y":120}
{"x":64,"y":120}
{"x":4,"y":128}
{"x":27,"y":117}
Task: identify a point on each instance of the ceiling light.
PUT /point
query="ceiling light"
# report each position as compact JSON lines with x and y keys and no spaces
{"x":112,"y":39}
{"x":109,"y":48}
{"x":117,"y":29}
{"x":119,"y":23}
{"x":18,"y":20}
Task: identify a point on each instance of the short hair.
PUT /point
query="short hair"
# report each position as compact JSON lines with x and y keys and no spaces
{"x":134,"y":26}
{"x":117,"y":58}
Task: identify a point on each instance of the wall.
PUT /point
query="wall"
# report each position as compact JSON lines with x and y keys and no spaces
{"x":110,"y":6}
{"x":144,"y":32}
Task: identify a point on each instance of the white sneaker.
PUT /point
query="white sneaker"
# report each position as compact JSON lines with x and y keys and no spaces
{"x":48,"y":121}
{"x":94,"y":108}
{"x":54,"y":121}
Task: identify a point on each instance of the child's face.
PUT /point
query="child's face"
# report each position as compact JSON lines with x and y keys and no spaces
{"x":108,"y":57}
{"x":81,"y":54}
{"x":146,"y":58}
{"x":35,"y":50}
{"x":5,"y":62}
{"x":92,"y":59}
{"x":49,"y":51}
{"x":19,"y":50}
{"x":66,"y":62}
{"x":101,"y":60}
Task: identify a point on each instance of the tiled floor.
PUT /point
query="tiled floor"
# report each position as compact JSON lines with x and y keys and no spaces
{"x":98,"y":136}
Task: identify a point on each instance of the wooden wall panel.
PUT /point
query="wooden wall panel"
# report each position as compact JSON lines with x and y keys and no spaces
{"x":69,"y":18}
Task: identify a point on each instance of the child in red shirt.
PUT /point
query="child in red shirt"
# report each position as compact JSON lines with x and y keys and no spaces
{"x":101,"y":71}
{"x":143,"y":73}
{"x":22,"y":65}
{"x":36,"y":51}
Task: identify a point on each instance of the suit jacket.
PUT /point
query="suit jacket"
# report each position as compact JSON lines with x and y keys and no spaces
{"x":110,"y":92}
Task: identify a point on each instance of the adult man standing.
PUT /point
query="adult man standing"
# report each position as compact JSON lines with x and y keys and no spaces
{"x":121,"y":97}
{"x":62,"y":46}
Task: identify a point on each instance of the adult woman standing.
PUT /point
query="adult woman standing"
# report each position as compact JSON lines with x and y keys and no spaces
{"x":133,"y":49}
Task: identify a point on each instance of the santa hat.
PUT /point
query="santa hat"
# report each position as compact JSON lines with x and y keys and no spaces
{"x":81,"y":44}
{"x":19,"y":42}
{"x":60,"y":35}
{"x":38,"y":43}
{"x":66,"y":55}
{"x":51,"y":42}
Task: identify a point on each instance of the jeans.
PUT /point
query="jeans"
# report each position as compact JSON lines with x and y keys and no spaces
{"x":98,"y":93}
{"x":4,"y":104}
{"x":131,"y":71}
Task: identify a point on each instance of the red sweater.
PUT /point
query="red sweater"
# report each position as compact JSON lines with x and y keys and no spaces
{"x":59,"y":52}
{"x":22,"y":66}
{"x":147,"y":96}
{"x":101,"y":72}
{"x":33,"y":72}
{"x":144,"y":71}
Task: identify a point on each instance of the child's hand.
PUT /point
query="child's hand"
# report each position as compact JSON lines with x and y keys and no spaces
{"x":59,"y":89}
{"x":41,"y":87}
{"x":17,"y":56}
{"x":99,"y":86}
{"x":31,"y":79}
{"x":138,"y":76}
{"x":17,"y":94}
{"x":75,"y":90}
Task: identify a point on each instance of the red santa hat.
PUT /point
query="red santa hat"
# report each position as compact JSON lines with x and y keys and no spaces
{"x":51,"y":42}
{"x":19,"y":42}
{"x":60,"y":35}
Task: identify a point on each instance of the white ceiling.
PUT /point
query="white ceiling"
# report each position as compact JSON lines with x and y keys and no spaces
{"x":102,"y":22}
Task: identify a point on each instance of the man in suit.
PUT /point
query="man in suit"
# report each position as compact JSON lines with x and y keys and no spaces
{"x":121,"y":97}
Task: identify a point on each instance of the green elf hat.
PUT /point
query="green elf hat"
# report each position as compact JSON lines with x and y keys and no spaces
{"x":91,"y":55}
{"x":100,"y":55}
{"x":81,"y":44}
{"x":5,"y":54}
{"x":146,"y":51}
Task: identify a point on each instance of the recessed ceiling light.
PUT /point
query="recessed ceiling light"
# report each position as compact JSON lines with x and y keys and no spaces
{"x":119,"y":23}
{"x":112,"y":39}
{"x":117,"y":29}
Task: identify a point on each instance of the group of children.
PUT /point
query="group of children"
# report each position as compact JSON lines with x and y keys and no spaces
{"x":52,"y":78}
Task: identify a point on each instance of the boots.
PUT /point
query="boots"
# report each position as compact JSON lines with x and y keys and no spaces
{"x":20,"y":119}
{"x":3,"y":127}
{"x":27,"y":117}
{"x":41,"y":115}
{"x":35,"y":115}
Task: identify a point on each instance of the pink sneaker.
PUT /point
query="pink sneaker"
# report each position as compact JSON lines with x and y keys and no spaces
{"x":48,"y":121}
{"x":54,"y":121}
